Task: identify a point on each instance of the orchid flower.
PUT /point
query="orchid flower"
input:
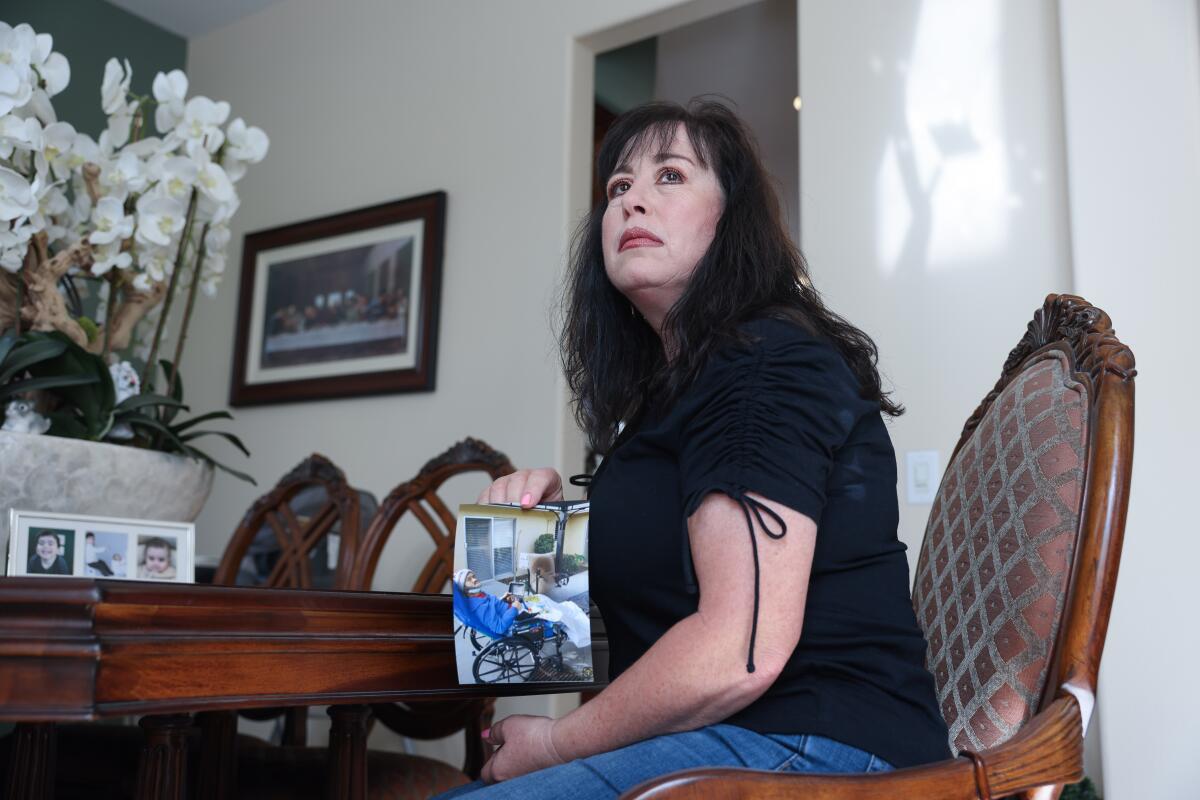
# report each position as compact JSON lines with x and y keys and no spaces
{"x":159,"y":219}
{"x":111,"y":222}
{"x":170,"y":89}
{"x":115,"y":86}
{"x":16,"y":196}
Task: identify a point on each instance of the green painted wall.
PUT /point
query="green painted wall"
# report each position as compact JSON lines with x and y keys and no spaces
{"x":625,"y":76}
{"x":88,"y":33}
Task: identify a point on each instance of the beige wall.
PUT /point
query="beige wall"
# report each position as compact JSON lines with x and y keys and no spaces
{"x":1131,"y":77}
{"x":934,"y":198}
{"x":933,"y":194}
{"x":712,"y":57}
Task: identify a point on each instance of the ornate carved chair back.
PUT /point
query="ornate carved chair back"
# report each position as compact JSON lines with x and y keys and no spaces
{"x":285,"y":540}
{"x":419,"y":497}
{"x":1017,"y":570}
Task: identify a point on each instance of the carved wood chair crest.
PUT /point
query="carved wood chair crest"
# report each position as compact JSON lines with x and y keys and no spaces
{"x":333,"y":505}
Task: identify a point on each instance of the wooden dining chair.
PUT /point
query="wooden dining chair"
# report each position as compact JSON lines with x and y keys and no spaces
{"x":286,"y":539}
{"x":299,"y":772}
{"x":419,"y":498}
{"x":1015,"y":578}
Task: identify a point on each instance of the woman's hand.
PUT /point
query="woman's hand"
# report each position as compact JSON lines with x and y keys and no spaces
{"x":523,"y":744}
{"x":526,"y":487}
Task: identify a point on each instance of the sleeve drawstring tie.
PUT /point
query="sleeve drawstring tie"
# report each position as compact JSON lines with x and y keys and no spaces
{"x":757,"y":508}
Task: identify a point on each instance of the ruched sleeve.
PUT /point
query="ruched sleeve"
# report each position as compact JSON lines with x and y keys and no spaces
{"x":767,"y":419}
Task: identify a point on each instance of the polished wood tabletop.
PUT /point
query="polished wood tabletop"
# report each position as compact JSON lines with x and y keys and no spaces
{"x":84,"y":649}
{"x":77,"y":649}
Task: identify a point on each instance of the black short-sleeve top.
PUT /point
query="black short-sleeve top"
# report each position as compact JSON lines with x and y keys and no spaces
{"x":779,"y":417}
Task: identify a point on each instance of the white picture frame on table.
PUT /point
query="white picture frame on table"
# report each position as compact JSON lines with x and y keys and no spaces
{"x":53,"y":544}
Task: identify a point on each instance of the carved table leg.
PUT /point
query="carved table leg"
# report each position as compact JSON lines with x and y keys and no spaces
{"x":295,"y":726}
{"x":348,"y":753}
{"x":478,"y":752}
{"x":162,"y":770}
{"x":217,"y":777}
{"x":31,"y":762}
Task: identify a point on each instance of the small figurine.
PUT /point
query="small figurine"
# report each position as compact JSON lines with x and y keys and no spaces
{"x":19,"y":417}
{"x":126,"y":383}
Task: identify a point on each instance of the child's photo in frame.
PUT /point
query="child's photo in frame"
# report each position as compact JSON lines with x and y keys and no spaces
{"x":51,"y":551}
{"x":156,"y":558}
{"x":104,"y":554}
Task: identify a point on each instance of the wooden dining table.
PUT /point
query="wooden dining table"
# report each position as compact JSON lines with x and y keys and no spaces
{"x":188,"y":655}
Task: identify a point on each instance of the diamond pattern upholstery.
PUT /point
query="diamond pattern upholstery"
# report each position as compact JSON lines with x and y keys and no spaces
{"x":994,"y":566}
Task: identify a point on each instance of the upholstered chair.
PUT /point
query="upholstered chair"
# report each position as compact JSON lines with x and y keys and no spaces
{"x":1014,"y":580}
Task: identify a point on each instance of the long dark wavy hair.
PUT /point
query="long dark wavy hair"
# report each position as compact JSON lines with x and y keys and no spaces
{"x":613,"y":359}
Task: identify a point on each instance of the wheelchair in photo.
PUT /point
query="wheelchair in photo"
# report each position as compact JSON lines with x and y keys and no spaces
{"x":514,"y":655}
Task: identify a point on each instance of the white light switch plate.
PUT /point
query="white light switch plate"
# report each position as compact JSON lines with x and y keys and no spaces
{"x":924,"y":475}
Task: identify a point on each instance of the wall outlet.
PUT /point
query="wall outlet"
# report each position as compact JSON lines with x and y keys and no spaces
{"x":924,"y":475}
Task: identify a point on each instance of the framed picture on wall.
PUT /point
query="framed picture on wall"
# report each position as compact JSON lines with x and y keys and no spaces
{"x":341,"y":306}
{"x":71,"y":545}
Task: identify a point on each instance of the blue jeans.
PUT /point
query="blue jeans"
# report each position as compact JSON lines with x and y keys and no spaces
{"x":609,"y":774}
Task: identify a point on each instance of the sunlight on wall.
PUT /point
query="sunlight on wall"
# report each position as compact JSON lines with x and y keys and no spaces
{"x":942,"y":189}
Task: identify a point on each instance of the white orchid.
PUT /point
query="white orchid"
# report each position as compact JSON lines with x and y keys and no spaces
{"x":16,"y":196}
{"x":111,"y":222}
{"x":170,"y":90}
{"x":57,"y":140}
{"x":177,"y":176}
{"x":40,"y":106}
{"x":159,"y":219}
{"x":246,"y":143}
{"x":148,"y":148}
{"x":54,"y":69}
{"x":83,"y":150}
{"x":214,"y":212}
{"x":14,"y":242}
{"x":16,"y":78}
{"x":147,"y":191}
{"x":115,"y":86}
{"x":212,"y":180}
{"x":120,"y":122}
{"x":19,"y":134}
{"x":156,"y":263}
{"x":216,"y":240}
{"x":108,"y":257}
{"x":123,"y":175}
{"x":200,"y":127}
{"x":52,"y":207}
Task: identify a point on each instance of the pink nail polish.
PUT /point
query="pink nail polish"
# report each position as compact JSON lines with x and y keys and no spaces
{"x":485,"y":733}
{"x":527,"y":499}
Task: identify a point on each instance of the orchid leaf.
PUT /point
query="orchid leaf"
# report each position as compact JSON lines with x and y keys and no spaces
{"x":200,"y":454}
{"x":186,"y":424}
{"x":49,"y":382}
{"x":23,"y":356}
{"x":223,"y":434}
{"x":137,"y":401}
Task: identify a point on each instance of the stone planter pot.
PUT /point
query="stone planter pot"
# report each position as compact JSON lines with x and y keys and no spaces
{"x":51,"y":473}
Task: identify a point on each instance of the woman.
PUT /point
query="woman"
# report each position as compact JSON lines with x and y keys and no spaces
{"x":765,"y":620}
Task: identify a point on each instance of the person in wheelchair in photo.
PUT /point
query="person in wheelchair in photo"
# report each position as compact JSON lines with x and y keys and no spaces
{"x":518,"y":633}
{"x":486,"y":613}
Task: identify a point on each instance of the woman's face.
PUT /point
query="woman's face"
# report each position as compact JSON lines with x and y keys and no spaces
{"x":662,"y":212}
